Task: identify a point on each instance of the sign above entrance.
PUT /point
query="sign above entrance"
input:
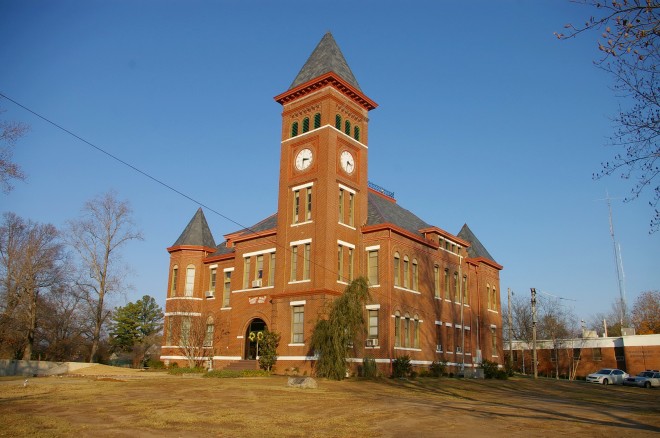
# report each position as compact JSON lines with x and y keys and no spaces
{"x":257,"y":300}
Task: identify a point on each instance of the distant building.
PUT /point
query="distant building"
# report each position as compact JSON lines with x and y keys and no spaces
{"x":581,"y":356}
{"x":435,"y":295}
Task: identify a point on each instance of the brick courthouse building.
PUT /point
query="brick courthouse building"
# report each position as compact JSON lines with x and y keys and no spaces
{"x":435,"y":296}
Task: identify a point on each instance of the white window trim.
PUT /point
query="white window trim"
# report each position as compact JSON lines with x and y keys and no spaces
{"x":183,"y":314}
{"x":298,"y":303}
{"x":347,"y":226}
{"x":297,"y":224}
{"x":372,"y":306}
{"x":299,"y":281}
{"x":300,"y":242}
{"x":302,"y":186}
{"x":348,"y":189}
{"x":228,"y":270}
{"x":372,"y":248}
{"x":296,"y":345}
{"x":408,"y":290}
{"x":438,"y":323}
{"x":256,"y":253}
{"x":342,"y":243}
{"x":213,"y":266}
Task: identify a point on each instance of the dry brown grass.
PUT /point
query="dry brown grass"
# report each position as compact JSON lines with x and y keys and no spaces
{"x":157,"y":405}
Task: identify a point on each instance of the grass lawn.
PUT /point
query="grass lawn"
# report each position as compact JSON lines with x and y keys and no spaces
{"x":160,"y":405}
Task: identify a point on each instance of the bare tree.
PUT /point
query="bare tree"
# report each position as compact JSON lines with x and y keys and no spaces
{"x":98,"y":236}
{"x":629,"y":31}
{"x":193,"y":333}
{"x":10,"y":132}
{"x":31,"y":263}
{"x":62,"y":326}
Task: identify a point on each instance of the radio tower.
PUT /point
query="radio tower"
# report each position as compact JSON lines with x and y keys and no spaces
{"x":619,"y":267}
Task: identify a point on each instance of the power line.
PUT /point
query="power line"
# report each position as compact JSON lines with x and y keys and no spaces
{"x":153,"y":178}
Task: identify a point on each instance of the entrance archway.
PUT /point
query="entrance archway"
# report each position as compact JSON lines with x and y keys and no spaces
{"x":255,"y":327}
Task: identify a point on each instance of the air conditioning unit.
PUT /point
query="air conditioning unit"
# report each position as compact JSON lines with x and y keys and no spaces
{"x":209,"y":294}
{"x":256,"y":283}
{"x":372,"y":342}
{"x":438,"y":347}
{"x":459,"y":350}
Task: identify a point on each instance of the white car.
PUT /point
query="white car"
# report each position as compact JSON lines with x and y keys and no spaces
{"x":607,"y":376}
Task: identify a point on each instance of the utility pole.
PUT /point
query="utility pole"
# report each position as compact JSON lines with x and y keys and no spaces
{"x":536,"y":370}
{"x":508,"y":291}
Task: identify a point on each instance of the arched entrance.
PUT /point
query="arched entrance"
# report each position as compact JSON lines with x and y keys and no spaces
{"x":252,"y":337}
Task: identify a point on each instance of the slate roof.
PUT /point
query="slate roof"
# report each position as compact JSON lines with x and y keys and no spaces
{"x":382,"y":211}
{"x":325,"y":58}
{"x":197,"y":233}
{"x":476,"y":249}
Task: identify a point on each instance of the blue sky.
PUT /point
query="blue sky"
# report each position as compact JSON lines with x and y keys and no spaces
{"x":484,"y":118}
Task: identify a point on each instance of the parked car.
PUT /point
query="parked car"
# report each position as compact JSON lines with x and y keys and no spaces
{"x":607,"y":376}
{"x":646,"y":379}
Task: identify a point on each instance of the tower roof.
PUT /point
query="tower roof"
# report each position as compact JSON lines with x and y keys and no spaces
{"x":326,"y":57}
{"x":476,"y":248}
{"x":197,"y":233}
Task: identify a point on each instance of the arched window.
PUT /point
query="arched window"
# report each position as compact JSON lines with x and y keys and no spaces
{"x":338,"y":122}
{"x":210,"y":327}
{"x":397,"y":329}
{"x":294,"y":129}
{"x":305,"y":124}
{"x":415,"y":275}
{"x":406,"y":331}
{"x":356,"y":133}
{"x":347,"y":127}
{"x":317,"y":120}
{"x":406,"y":272}
{"x":190,"y":280}
{"x":397,"y":267}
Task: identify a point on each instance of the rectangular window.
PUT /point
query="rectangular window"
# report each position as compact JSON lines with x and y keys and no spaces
{"x":446,"y":284}
{"x":416,"y":333}
{"x":341,"y":205}
{"x":296,"y":206}
{"x":294,"y":263}
{"x":307,"y":261}
{"x":259,"y":272}
{"x":490,"y":305}
{"x":576,"y":354}
{"x":271,"y":270}
{"x":597,"y":354}
{"x":185,"y":331}
{"x":457,"y":294}
{"x":436,"y":281}
{"x":168,"y":336}
{"x":297,"y":320}
{"x":494,"y":292}
{"x":246,"y":272}
{"x":438,"y":336}
{"x":465,"y":290}
{"x":350,"y":264}
{"x":308,"y":205}
{"x":226,"y":290}
{"x":372,"y":267}
{"x":175,"y":277}
{"x":340,"y":263}
{"x":351,"y":205}
{"x":373,"y":324}
{"x":190,"y":281}
{"x":493,"y":335}
{"x":208,"y":337}
{"x":212,"y":279}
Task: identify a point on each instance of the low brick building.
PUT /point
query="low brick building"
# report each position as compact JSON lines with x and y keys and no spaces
{"x":435,"y":296}
{"x":581,"y":356}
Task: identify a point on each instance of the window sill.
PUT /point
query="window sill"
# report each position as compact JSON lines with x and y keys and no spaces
{"x":184,"y":298}
{"x":252,"y":289}
{"x":297,"y":224}
{"x":408,"y":348}
{"x":296,"y":345}
{"x":300,"y":281}
{"x":347,"y":226}
{"x":225,"y":308}
{"x":407,"y":290}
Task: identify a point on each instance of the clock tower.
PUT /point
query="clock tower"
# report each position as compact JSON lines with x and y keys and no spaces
{"x":322,"y":198}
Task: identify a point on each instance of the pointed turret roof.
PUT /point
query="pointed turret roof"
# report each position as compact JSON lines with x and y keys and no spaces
{"x":325,"y":58}
{"x":476,"y":248}
{"x":197,"y":233}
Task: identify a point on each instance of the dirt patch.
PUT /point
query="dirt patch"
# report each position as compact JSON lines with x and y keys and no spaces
{"x":168,"y":406}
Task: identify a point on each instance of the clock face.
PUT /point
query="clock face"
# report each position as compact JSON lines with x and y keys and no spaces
{"x":303,"y":159}
{"x":347,"y":162}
